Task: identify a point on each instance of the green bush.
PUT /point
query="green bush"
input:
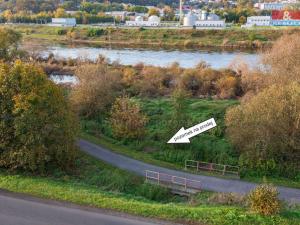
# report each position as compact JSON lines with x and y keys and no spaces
{"x":62,"y":32}
{"x":264,"y":200}
{"x":153,"y":192}
{"x":95,"y":32}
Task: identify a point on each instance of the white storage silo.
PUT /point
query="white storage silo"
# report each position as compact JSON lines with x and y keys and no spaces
{"x":139,"y":19}
{"x":203,"y":15}
{"x":213,"y":16}
{"x":189,"y":20}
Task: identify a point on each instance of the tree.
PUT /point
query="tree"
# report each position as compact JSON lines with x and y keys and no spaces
{"x":242,"y":20}
{"x":283,"y":59}
{"x":36,"y":127}
{"x":97,"y":89}
{"x":9,"y":40}
{"x":127,"y":120}
{"x":168,"y":13}
{"x":153,"y":12}
{"x":8,"y":15}
{"x":60,"y":13}
{"x":179,"y":116}
{"x":266,"y":129}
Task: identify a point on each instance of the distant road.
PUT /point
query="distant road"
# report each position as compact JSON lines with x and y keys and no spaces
{"x":207,"y":183}
{"x":17,"y":209}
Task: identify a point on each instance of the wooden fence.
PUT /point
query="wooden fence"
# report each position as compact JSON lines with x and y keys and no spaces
{"x":213,"y":167}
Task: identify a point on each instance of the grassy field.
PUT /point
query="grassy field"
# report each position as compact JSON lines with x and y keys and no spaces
{"x":94,"y":184}
{"x":166,"y":38}
{"x":211,"y":146}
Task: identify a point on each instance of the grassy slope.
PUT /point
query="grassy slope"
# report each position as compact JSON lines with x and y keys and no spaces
{"x":235,"y":37}
{"x":82,"y":189}
{"x":211,"y":146}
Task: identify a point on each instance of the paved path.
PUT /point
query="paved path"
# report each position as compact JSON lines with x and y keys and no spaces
{"x":207,"y":183}
{"x":18,"y":209}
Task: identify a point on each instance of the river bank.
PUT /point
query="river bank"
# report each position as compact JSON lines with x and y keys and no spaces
{"x":233,"y":38}
{"x":158,"y":58}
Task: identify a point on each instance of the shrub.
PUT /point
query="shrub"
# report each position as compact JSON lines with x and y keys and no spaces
{"x":226,"y":199}
{"x":62,"y":32}
{"x":153,"y":192}
{"x":127,"y":121}
{"x":264,"y":200}
{"x":95,"y":32}
{"x":97,"y":89}
{"x":272,"y":134}
{"x":9,"y":42}
{"x":283,"y":59}
{"x":37,"y":128}
{"x":73,"y":34}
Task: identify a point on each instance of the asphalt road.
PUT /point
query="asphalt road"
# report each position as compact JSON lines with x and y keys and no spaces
{"x":18,"y":209}
{"x":207,"y":183}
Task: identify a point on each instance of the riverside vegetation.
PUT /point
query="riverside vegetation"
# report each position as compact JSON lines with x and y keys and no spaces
{"x":144,"y":97}
{"x":167,"y":38}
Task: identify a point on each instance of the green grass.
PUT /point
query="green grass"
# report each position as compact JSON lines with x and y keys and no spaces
{"x":168,"y":38}
{"x":82,"y":189}
{"x":211,"y":146}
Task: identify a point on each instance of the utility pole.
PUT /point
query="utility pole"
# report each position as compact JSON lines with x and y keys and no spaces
{"x":180,"y":12}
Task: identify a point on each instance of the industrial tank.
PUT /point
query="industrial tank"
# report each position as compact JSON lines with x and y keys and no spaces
{"x":213,"y":16}
{"x":189,"y":20}
{"x":203,"y":15}
{"x":138,"y":19}
{"x":154,"y":19}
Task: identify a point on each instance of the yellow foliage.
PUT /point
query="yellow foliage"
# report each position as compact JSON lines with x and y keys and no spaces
{"x":264,"y":200}
{"x":127,"y":120}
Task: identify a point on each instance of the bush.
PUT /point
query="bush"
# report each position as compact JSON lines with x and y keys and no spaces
{"x":37,"y":128}
{"x":98,"y":87}
{"x":264,"y":200}
{"x":153,"y":192}
{"x":271,"y":137}
{"x":226,"y":199}
{"x":9,"y":42}
{"x":62,"y":32}
{"x":127,"y":121}
{"x":95,"y":32}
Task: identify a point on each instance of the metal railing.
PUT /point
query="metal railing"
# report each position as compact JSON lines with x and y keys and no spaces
{"x":213,"y":167}
{"x":163,"y":178}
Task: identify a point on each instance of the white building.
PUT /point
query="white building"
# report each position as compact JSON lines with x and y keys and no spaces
{"x":117,"y":14}
{"x":189,"y":20}
{"x":204,"y":21}
{"x":153,"y":21}
{"x":210,"y":24}
{"x":63,"y":22}
{"x":273,"y":5}
{"x":258,"y":21}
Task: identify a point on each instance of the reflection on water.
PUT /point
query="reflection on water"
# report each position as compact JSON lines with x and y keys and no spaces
{"x":186,"y":59}
{"x":64,"y":79}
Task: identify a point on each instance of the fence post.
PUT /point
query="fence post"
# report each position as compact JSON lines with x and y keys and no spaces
{"x":224,"y":170}
{"x":197,"y":165}
{"x":185,"y":184}
{"x":158,"y":178}
{"x":185,"y":167}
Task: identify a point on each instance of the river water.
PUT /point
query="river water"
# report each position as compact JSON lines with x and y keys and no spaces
{"x":164,"y":58}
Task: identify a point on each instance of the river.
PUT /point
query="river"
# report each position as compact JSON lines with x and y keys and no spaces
{"x":185,"y":58}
